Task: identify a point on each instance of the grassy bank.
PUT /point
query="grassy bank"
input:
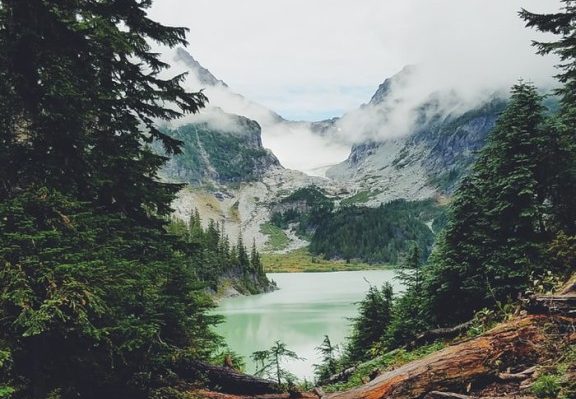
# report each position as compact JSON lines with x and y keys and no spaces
{"x":301,"y":260}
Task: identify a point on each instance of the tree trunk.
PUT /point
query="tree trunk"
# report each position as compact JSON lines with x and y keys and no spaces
{"x":450,"y":332}
{"x":457,"y":365}
{"x":560,"y":304}
{"x":227,"y":380}
{"x":450,"y":395}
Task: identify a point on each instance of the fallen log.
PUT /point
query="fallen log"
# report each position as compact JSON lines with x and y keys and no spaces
{"x":521,"y":376}
{"x":339,"y":377}
{"x":225,"y":379}
{"x":449,"y":332}
{"x":219,"y":395}
{"x":555,"y":304}
{"x":450,"y":395}
{"x":455,"y":366}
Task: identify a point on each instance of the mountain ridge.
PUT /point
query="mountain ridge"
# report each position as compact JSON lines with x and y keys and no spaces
{"x":427,"y":162}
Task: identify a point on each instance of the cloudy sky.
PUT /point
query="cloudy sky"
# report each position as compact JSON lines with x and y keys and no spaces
{"x":312,"y":59}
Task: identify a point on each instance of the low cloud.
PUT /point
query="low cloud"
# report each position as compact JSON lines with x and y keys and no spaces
{"x":310,"y":60}
{"x":294,"y":143}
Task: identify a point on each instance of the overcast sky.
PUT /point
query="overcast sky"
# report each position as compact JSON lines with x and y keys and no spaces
{"x":313,"y":59}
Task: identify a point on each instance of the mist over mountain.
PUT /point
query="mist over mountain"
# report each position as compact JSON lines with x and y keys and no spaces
{"x":414,"y":139}
{"x":294,"y":143}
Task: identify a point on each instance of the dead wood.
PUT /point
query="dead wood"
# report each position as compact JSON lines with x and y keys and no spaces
{"x":521,"y":376}
{"x":554,"y":304}
{"x":444,"y":333}
{"x":454,"y":366}
{"x":227,"y":380}
{"x":450,"y":395}
{"x":341,"y":376}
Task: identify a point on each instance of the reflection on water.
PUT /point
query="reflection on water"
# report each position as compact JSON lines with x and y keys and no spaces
{"x":307,"y":307}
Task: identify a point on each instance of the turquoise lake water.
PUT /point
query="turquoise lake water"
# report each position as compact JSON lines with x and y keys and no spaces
{"x":305,"y":308}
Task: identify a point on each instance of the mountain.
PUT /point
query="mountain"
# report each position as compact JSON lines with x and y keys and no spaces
{"x":278,"y":134}
{"x":203,"y":75}
{"x":427,"y":163}
{"x":231,"y":177}
{"x":218,"y":92}
{"x":221,"y":148}
{"x":408,"y":145}
{"x":425,"y":160}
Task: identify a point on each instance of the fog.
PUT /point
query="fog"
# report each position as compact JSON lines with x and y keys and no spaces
{"x":313,"y":60}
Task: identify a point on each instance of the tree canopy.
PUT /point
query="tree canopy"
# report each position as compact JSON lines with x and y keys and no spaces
{"x":96,"y":298}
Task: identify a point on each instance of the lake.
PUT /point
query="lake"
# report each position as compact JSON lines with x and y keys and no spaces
{"x":305,"y":308}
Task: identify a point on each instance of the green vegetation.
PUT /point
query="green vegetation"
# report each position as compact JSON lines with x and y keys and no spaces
{"x":506,"y":228}
{"x":277,"y":238}
{"x":306,"y":207}
{"x":359,"y":234}
{"x":329,"y":363}
{"x":547,"y":386}
{"x":226,"y":156}
{"x":102,"y":297}
{"x":510,"y":227}
{"x":387,"y":361}
{"x":504,"y":217}
{"x":215,"y":261}
{"x":358,"y":198}
{"x":558,"y":379}
{"x":269,"y":363}
{"x":368,"y":328}
{"x":300,"y":260}
{"x":376,"y":235}
{"x":97,"y":299}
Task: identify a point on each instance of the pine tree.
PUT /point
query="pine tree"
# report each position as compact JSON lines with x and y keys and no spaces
{"x":243,"y":259}
{"x":328,"y":367}
{"x":495,"y":238}
{"x":255,"y":261}
{"x":409,"y":315}
{"x":97,"y":299}
{"x":270,"y":363}
{"x":375,"y":314}
{"x":563,"y":170}
{"x":79,"y":108}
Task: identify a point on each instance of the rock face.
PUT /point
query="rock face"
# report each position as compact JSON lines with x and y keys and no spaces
{"x":234,"y":180}
{"x":243,"y":208}
{"x":224,"y":149}
{"x":204,"y":76}
{"x":429,"y":160}
{"x":385,"y":89}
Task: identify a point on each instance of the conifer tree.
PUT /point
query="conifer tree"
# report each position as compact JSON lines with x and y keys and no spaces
{"x":80,"y":108}
{"x":243,"y":259}
{"x":328,"y":367}
{"x":495,"y":238}
{"x":563,"y":132}
{"x":375,"y":313}
{"x":255,"y":261}
{"x":409,"y":315}
{"x":97,"y":300}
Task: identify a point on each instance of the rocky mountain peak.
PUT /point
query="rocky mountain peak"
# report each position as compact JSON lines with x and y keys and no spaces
{"x":204,"y":75}
{"x":385,"y":88}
